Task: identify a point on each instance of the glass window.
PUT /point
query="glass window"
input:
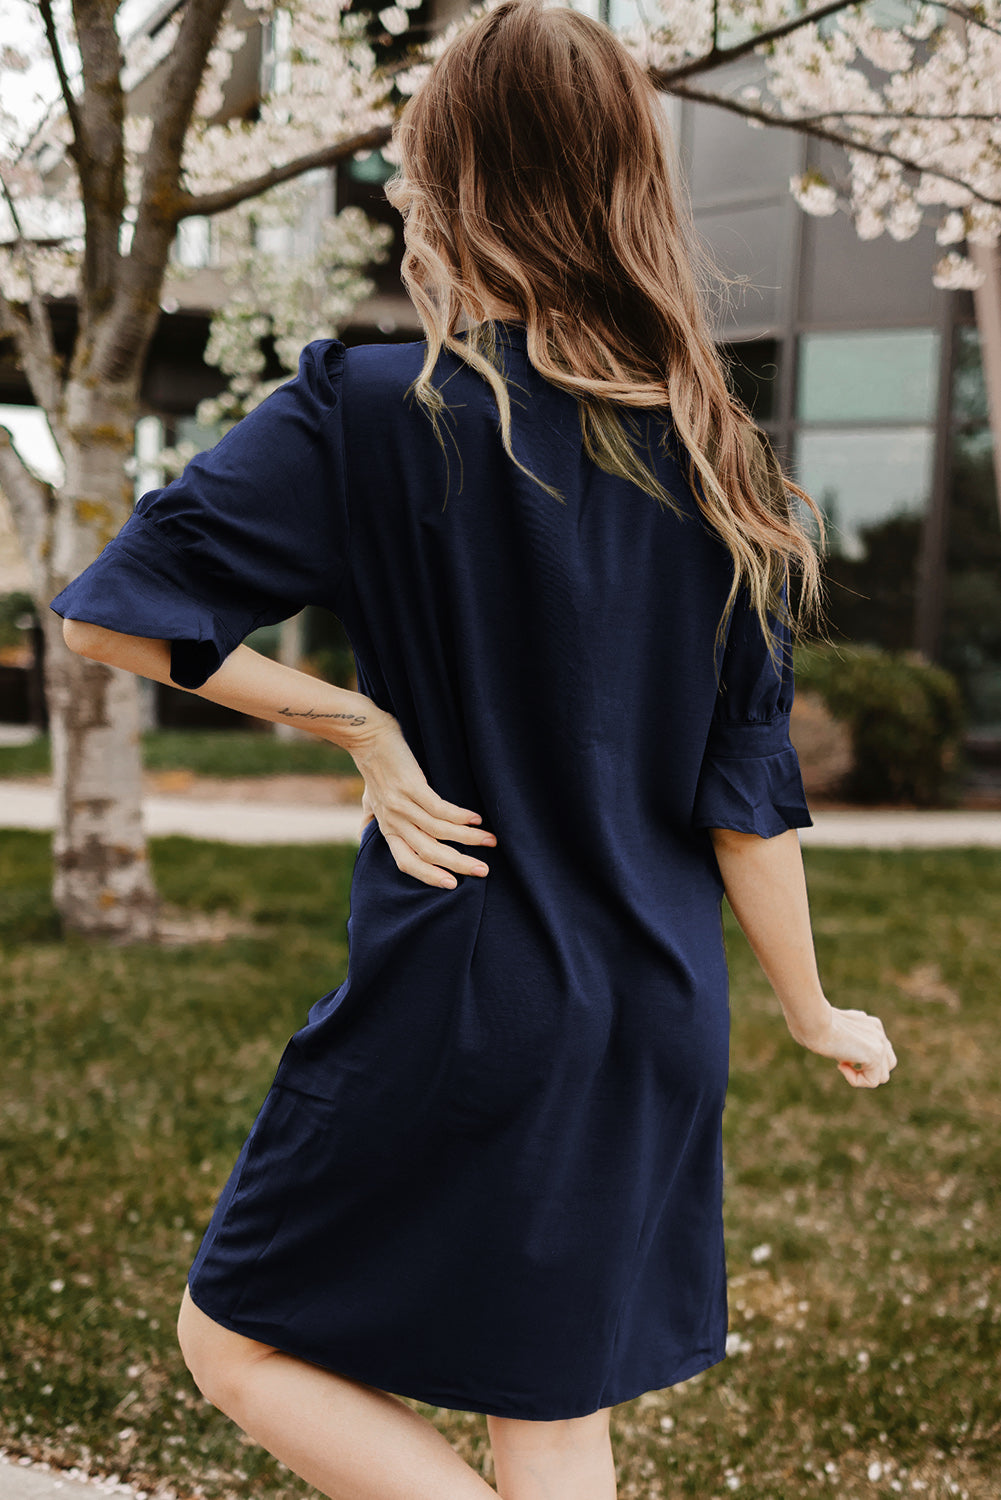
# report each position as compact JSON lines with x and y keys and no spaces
{"x":370,"y":166}
{"x":188,"y":430}
{"x":887,"y":376}
{"x":971,"y":646}
{"x":619,"y":14}
{"x":860,"y":478}
{"x":753,"y":372}
{"x":750,"y":246}
{"x":868,"y":283}
{"x":731,"y":162}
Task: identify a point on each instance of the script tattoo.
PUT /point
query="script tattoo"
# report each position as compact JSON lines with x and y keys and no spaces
{"x":309,"y":713}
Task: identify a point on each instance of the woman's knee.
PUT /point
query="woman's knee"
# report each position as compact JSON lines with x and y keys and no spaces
{"x":218,"y":1359}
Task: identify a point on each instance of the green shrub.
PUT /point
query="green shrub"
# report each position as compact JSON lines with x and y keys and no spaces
{"x":14,"y":607}
{"x":905,"y":716}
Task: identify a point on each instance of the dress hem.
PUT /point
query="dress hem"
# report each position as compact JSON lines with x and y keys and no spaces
{"x":453,"y":1400}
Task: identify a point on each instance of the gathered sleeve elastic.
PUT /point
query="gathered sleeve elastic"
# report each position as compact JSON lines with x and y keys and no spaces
{"x":750,"y":778}
{"x":251,"y":532}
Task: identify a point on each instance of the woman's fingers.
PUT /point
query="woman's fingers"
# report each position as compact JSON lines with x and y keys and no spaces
{"x":458,"y":833}
{"x":446,"y":820}
{"x":451,"y":812}
{"x":434,"y":853}
{"x":419,"y":826}
{"x":870,"y":1074}
{"x":411,"y":863}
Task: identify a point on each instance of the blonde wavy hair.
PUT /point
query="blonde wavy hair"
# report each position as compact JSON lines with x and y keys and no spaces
{"x":535,"y":175}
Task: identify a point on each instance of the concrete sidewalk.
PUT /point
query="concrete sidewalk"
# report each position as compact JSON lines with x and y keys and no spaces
{"x":29,"y":804}
{"x":24,"y":1481}
{"x":902,"y":828}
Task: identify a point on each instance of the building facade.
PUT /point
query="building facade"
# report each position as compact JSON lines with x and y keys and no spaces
{"x":869,"y":381}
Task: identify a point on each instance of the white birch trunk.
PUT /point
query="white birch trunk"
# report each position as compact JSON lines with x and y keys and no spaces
{"x":102,"y":884}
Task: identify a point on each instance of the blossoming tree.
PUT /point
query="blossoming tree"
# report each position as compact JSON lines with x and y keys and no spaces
{"x":92,"y":198}
{"x":910,"y":90}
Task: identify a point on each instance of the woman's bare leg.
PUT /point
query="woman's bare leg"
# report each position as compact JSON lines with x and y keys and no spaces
{"x":347,"y":1439}
{"x":569,"y":1460}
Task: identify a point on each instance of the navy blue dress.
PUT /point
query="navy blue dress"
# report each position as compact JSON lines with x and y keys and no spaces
{"x":488,"y":1173}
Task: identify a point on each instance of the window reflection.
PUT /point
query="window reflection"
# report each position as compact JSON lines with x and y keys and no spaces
{"x":753,"y":372}
{"x":971,"y":646}
{"x":860,"y":478}
{"x":888,"y":376}
{"x":969,"y":392}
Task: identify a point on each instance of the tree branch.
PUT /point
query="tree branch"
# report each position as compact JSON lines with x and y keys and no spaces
{"x":38,"y":353}
{"x":207,"y":204}
{"x":886,"y":114}
{"x":718,"y":57}
{"x":820,"y":133}
{"x":101,"y":157}
{"x":31,"y":503}
{"x":125,"y":339}
{"x":72,"y":109}
{"x":13,"y":325}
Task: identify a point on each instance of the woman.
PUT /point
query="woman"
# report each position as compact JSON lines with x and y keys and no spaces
{"x":488,"y":1173}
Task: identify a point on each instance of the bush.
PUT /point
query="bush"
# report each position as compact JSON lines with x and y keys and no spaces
{"x":905,"y":717}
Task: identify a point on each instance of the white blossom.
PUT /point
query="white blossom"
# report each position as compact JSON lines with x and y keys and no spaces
{"x":395,"y":19}
{"x":287,"y":298}
{"x":813,"y":195}
{"x":955,"y":273}
{"x":904,"y":219}
{"x":952,"y":229}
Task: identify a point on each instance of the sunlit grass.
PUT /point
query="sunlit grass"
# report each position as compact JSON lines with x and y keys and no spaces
{"x":861,"y":1225}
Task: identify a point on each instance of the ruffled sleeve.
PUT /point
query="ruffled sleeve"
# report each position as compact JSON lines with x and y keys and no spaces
{"x":250,"y":533}
{"x":750,"y":778}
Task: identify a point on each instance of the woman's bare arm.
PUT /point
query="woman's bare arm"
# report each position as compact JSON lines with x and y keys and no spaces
{"x":765,"y":884}
{"x":413,"y":818}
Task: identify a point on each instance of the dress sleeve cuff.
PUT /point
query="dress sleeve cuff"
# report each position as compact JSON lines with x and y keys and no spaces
{"x":751,"y":780}
{"x":140,"y":585}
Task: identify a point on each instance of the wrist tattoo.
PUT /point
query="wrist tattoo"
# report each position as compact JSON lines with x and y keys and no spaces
{"x":309,"y":713}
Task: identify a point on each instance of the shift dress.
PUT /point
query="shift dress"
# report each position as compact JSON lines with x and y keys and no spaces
{"x":488,"y":1173}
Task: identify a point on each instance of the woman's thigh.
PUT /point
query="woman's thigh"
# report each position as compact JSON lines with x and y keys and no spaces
{"x":520,"y":1434}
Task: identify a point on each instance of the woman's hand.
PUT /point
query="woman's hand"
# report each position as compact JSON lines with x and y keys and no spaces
{"x":858,"y":1042}
{"x":413,"y":819}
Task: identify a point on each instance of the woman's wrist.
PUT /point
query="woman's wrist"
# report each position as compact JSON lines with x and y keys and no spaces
{"x":352,"y":725}
{"x":809,"y":1019}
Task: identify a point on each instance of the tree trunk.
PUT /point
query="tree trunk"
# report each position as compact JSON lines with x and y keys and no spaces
{"x":289,"y":654}
{"x":102,"y":885}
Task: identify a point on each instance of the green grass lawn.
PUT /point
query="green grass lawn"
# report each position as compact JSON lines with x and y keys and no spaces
{"x":862,"y":1225}
{"x":209,"y":752}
